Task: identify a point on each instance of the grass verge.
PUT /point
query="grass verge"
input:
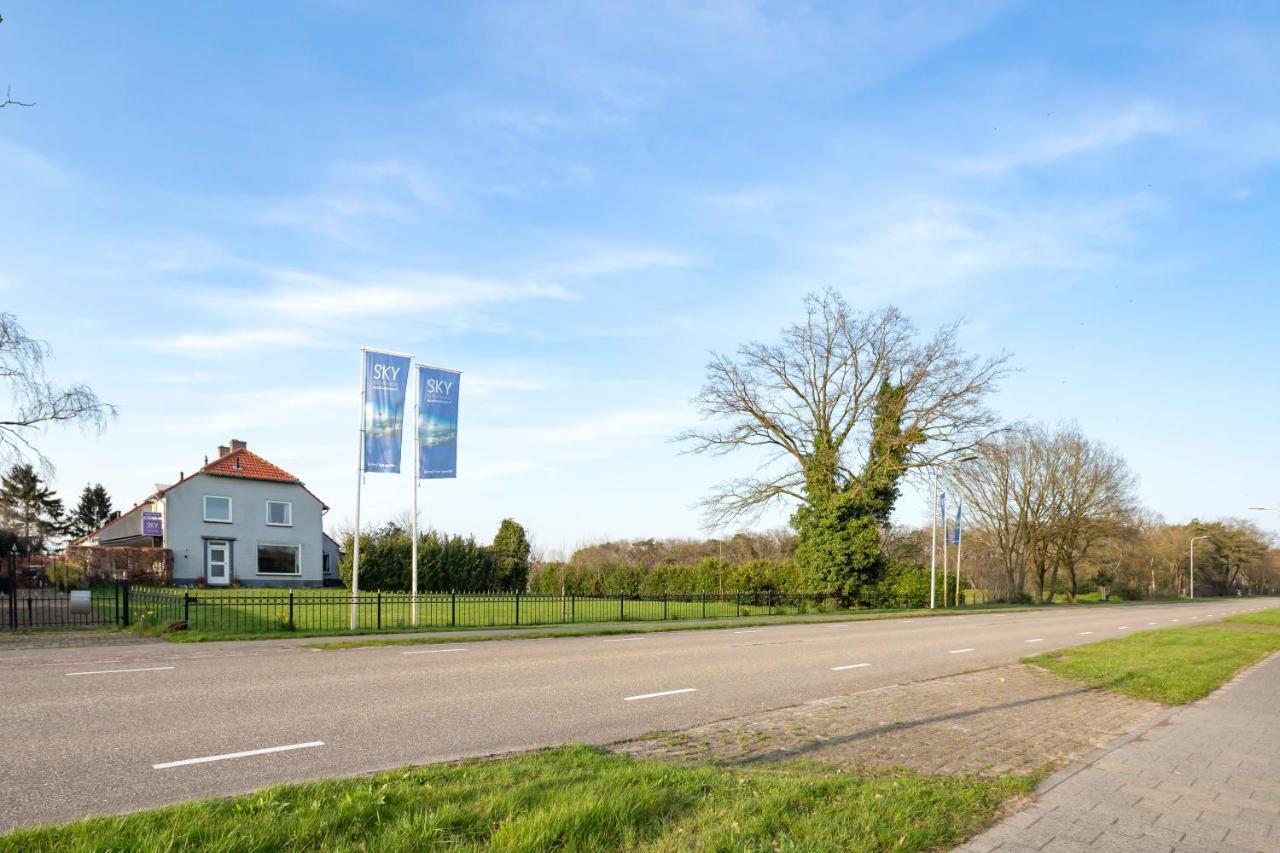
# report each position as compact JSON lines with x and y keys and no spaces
{"x":1172,"y":665}
{"x":571,"y":798}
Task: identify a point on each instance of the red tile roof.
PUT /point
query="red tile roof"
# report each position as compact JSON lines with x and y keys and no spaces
{"x":245,"y":463}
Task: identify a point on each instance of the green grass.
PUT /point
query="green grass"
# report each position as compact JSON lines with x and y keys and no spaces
{"x":1171,"y":665}
{"x":1269,"y":618}
{"x":572,"y":798}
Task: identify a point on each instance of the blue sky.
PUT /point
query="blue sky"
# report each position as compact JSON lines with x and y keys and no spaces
{"x":212,"y":208}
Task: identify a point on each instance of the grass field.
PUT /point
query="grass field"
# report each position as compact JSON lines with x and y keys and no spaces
{"x":573,"y":798}
{"x":1171,"y":665}
{"x":243,"y":613}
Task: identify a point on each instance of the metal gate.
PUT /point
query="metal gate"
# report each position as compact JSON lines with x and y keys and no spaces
{"x":30,"y":603}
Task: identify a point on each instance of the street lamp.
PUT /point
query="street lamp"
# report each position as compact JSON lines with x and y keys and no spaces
{"x":1194,"y":539}
{"x":933,"y":528}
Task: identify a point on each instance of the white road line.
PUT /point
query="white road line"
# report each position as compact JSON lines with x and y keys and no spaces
{"x":624,"y":640}
{"x":1085,"y":633}
{"x":1123,"y":628}
{"x":750,"y":631}
{"x":663,"y":693}
{"x":1177,"y":620}
{"x":1151,"y":623}
{"x":208,"y":758}
{"x":850,"y":666}
{"x":435,"y":651}
{"x":1035,"y":640}
{"x":959,"y":651}
{"x":112,"y":671}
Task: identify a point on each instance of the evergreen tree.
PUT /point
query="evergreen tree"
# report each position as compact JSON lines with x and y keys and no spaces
{"x":29,"y":507}
{"x":511,"y":555}
{"x":93,"y":511}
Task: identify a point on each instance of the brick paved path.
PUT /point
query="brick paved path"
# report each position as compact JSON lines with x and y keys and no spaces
{"x":1008,"y":719}
{"x":1206,"y":778}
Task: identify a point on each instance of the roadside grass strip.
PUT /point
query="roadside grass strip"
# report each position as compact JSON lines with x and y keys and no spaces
{"x":570,"y":798}
{"x":1172,"y":665}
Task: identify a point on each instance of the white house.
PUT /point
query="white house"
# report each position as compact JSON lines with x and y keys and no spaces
{"x":237,"y":517}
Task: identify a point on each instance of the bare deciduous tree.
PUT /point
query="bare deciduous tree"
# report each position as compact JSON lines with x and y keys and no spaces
{"x":35,"y":402}
{"x":841,"y":408}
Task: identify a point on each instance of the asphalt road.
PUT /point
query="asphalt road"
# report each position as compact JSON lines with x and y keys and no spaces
{"x":82,"y":731}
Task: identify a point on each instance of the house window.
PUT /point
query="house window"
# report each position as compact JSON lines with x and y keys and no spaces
{"x":279,"y":560}
{"x":217,"y":509}
{"x":279,"y":513}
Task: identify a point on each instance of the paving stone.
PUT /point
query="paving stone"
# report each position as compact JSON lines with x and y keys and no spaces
{"x":1205,"y":780}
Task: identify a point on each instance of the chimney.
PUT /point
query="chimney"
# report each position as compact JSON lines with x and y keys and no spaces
{"x":223,"y":450}
{"x":237,"y":444}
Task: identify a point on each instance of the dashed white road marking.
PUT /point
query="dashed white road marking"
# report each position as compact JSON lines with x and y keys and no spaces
{"x":849,"y":666}
{"x":1085,"y":633}
{"x":750,"y":631}
{"x":959,"y":651}
{"x":1035,"y":640}
{"x":624,"y":640}
{"x":1123,"y":628}
{"x":663,"y":693}
{"x":113,"y":671}
{"x":435,"y":651}
{"x":224,"y":757}
{"x":1151,"y":623}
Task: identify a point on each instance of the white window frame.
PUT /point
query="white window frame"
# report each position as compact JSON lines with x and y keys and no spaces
{"x":297,"y":561}
{"x":288,"y":522}
{"x":230,"y":513}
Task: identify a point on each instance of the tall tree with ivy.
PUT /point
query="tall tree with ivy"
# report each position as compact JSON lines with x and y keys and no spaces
{"x":844,"y":406}
{"x":29,"y":507}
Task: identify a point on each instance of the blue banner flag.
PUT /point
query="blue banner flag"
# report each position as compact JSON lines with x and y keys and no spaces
{"x":956,"y":531}
{"x":942,"y":507}
{"x":437,"y":423}
{"x":386,"y":381}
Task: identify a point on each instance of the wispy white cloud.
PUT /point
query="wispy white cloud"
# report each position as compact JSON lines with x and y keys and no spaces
{"x":23,"y":162}
{"x":224,"y":343}
{"x":355,"y":194}
{"x":1069,"y":137}
{"x":324,"y":300}
{"x":623,"y":260}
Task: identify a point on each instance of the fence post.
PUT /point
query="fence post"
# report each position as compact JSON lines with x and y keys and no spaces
{"x":186,"y":608}
{"x":573,"y":607}
{"x":290,"y":607}
{"x":664,"y":607}
{"x":704,"y":605}
{"x":453,"y":608}
{"x":768,"y":600}
{"x":622,"y":614}
{"x":517,"y":609}
{"x":124,"y":601}
{"x":379,"y":610}
{"x":737,"y":603}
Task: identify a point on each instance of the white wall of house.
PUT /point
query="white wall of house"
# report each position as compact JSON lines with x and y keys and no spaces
{"x":187,"y":532}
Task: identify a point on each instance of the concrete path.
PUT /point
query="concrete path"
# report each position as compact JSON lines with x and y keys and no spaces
{"x":1203,"y":778}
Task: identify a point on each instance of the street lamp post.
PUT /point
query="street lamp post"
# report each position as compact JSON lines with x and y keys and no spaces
{"x":1194,"y":540}
{"x":933,"y":529}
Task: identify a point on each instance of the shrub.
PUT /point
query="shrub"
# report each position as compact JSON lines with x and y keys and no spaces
{"x":445,"y":562}
{"x":66,"y":576}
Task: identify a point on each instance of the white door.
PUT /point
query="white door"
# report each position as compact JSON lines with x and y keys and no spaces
{"x":217,"y":561}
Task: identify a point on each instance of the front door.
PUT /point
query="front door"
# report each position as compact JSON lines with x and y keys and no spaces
{"x":217,"y":561}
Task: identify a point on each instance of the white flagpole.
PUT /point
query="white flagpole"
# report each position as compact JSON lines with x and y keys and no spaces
{"x":933,"y":542}
{"x":959,"y":543}
{"x":944,"y":557}
{"x":413,"y":581}
{"x":355,"y":548}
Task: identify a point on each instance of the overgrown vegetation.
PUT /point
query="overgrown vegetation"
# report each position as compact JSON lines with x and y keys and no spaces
{"x":572,"y":798}
{"x":1171,"y":665}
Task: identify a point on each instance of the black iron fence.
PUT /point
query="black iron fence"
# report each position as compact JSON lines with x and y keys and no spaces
{"x":251,"y":611}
